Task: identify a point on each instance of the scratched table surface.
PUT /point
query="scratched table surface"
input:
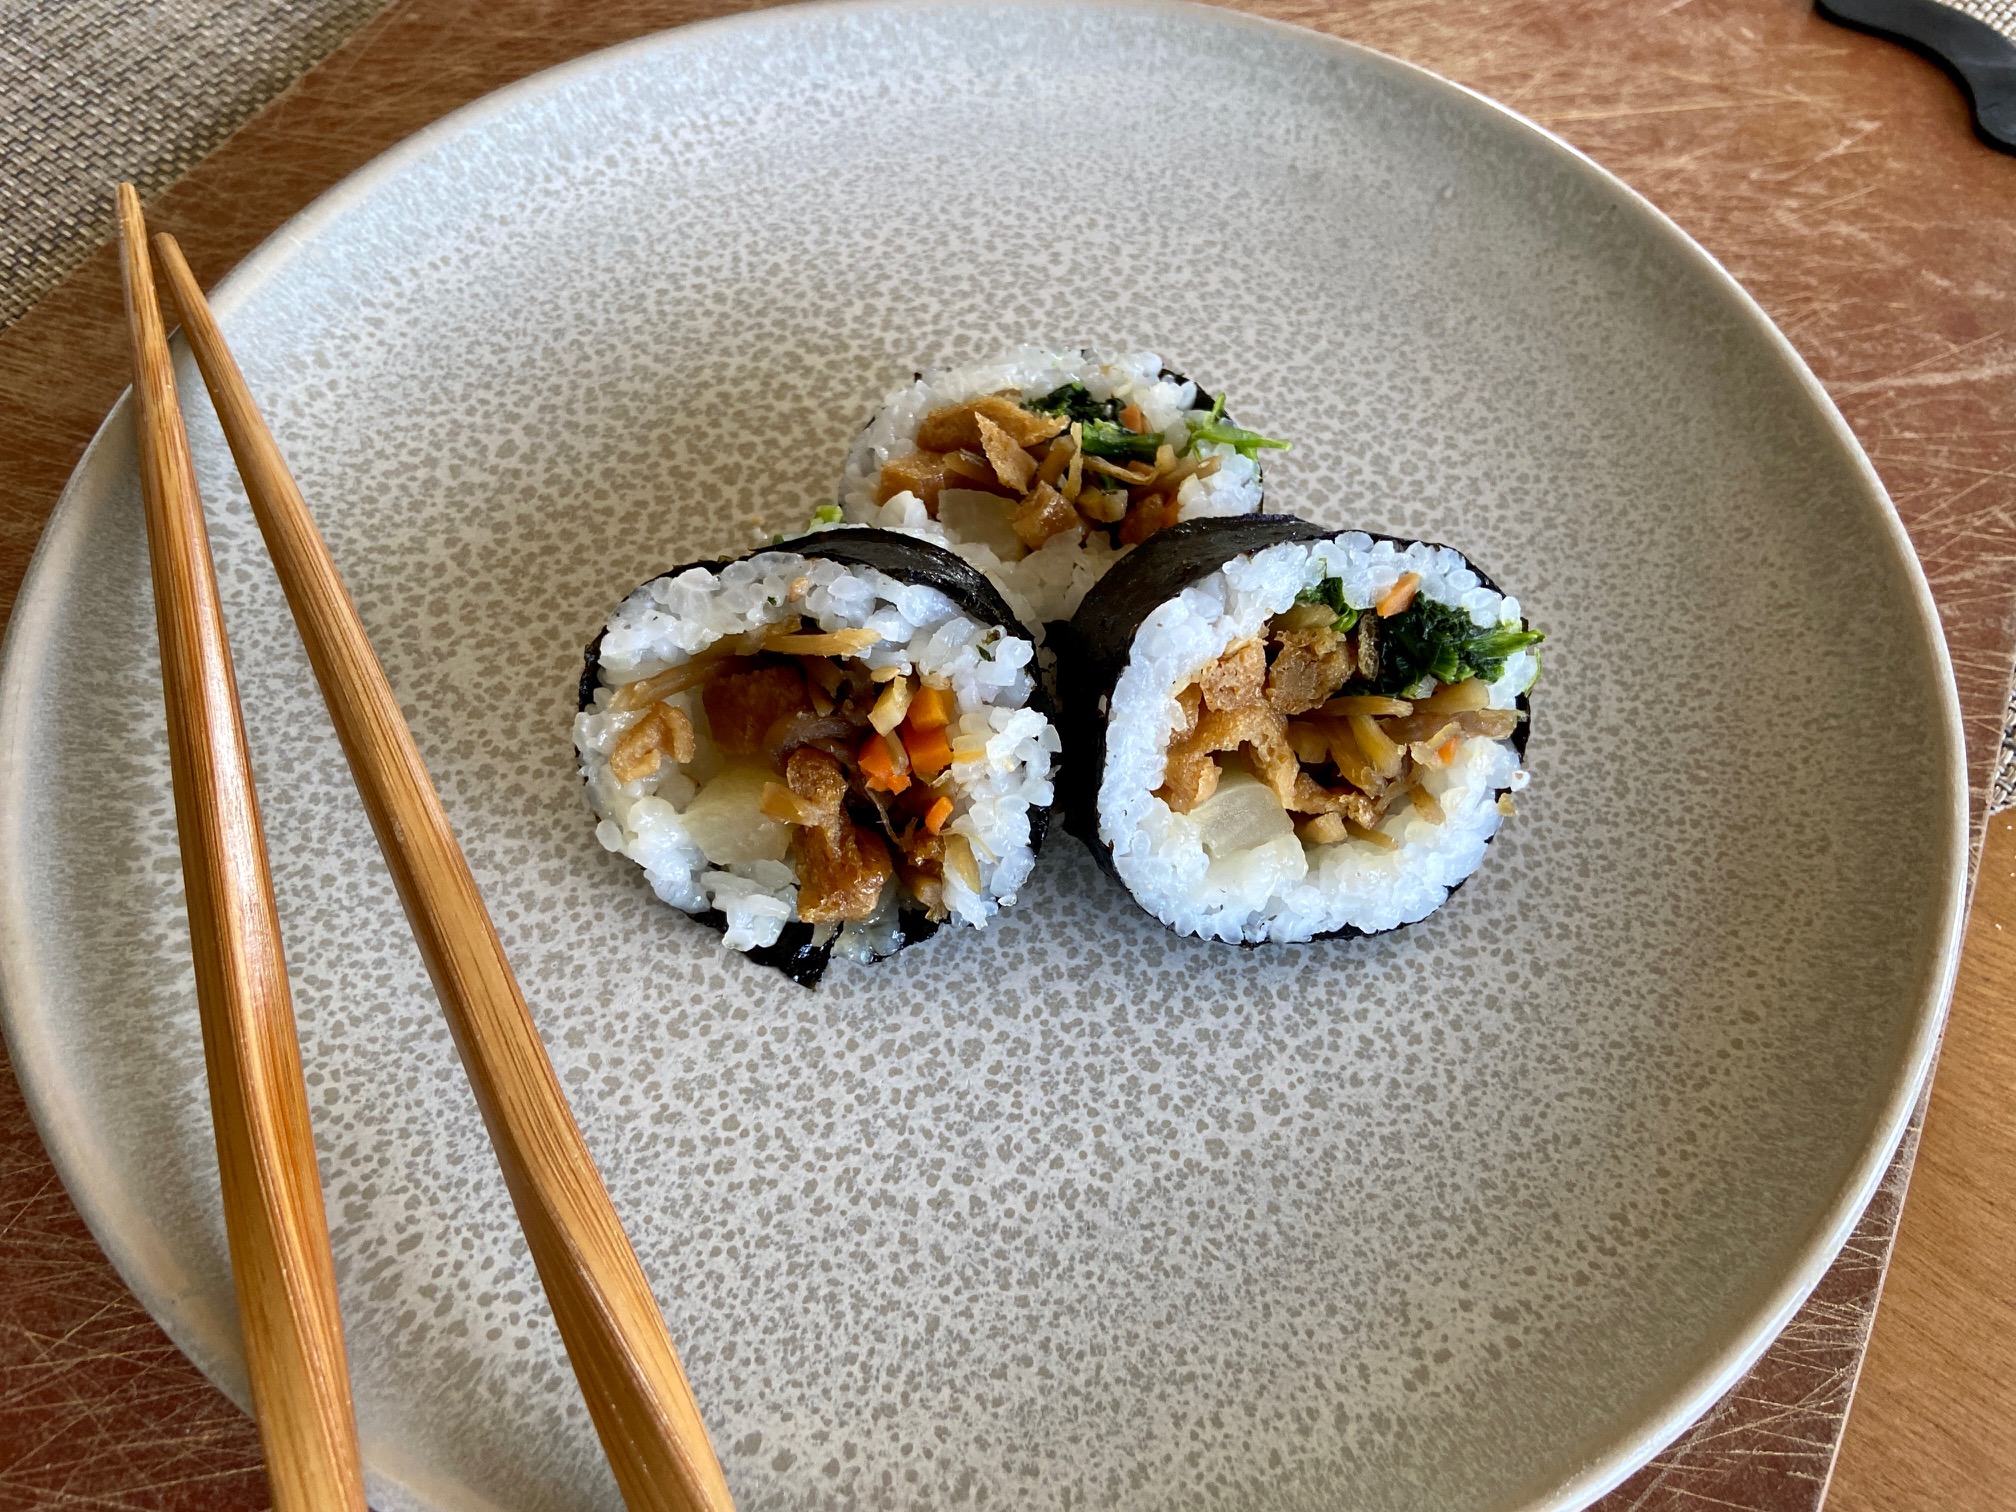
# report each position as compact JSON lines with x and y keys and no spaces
{"x":1835,"y":175}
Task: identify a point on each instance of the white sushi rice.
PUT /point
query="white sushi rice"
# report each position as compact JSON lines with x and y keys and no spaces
{"x":1287,"y":889}
{"x":1046,"y":584}
{"x":669,"y":620}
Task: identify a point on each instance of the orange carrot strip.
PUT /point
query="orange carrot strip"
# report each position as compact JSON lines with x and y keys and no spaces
{"x":930,"y":708}
{"x":940,"y":812}
{"x":880,"y":766}
{"x":1399,"y":596}
{"x":1448,"y":751}
{"x":1134,"y":420}
{"x":930,"y":751}
{"x":875,"y":759}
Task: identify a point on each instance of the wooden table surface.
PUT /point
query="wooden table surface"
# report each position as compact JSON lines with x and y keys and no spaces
{"x":1834,"y":174}
{"x":1934,"y":1424}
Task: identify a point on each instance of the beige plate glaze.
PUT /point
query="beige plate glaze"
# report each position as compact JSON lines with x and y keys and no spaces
{"x":1078,"y":1214}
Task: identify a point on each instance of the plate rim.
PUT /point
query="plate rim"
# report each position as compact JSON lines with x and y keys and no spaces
{"x":213,"y":1347}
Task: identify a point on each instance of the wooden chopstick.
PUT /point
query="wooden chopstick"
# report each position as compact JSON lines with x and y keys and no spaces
{"x":273,"y":1215}
{"x":637,"y":1393}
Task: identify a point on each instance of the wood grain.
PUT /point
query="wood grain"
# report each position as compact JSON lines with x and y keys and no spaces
{"x":1934,"y":1425}
{"x":1834,"y":174}
{"x":281,"y":1266}
{"x":636,"y":1390}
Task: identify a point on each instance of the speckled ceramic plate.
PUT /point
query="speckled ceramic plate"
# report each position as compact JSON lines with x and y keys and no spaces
{"x":1074,"y":1214}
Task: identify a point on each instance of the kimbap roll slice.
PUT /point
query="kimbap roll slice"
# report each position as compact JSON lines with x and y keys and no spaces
{"x":828,"y":747}
{"x":1278,"y":732}
{"x":1041,"y":468}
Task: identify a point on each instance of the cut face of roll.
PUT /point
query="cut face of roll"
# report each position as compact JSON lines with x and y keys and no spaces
{"x":1041,"y":467}
{"x":832,"y":746}
{"x":1278,"y":732}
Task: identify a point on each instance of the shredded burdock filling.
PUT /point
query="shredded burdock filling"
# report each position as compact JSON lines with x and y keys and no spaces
{"x":1342,"y":713}
{"x":854,"y":761}
{"x":1064,"y":462}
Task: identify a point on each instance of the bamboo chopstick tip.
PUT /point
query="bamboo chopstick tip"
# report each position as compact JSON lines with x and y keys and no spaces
{"x":126,"y":207}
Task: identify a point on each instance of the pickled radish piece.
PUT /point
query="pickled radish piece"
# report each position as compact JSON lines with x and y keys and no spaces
{"x":726,"y":818}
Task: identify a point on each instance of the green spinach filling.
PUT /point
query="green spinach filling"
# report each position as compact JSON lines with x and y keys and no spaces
{"x":1104,"y":436}
{"x":1427,"y":639}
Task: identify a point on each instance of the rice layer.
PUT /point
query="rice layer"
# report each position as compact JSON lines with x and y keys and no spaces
{"x":1046,"y":584}
{"x":671,"y":619}
{"x":1289,"y":890}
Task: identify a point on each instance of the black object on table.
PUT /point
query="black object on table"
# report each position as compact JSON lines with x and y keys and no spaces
{"x":1980,"y":57}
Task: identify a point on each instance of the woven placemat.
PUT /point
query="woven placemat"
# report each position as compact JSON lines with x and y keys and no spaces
{"x":2000,"y":14}
{"x":2003,"y":794}
{"x":95,"y":91}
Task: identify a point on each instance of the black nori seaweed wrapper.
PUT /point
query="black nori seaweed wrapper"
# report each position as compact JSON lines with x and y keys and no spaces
{"x":1205,"y":398}
{"x":909,"y":560}
{"x":1094,"y":648}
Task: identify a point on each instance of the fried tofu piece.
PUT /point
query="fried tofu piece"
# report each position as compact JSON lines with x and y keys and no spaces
{"x":842,"y":868}
{"x":929,"y":473}
{"x":1257,"y":728}
{"x":1236,"y":679}
{"x":840,"y":879}
{"x":958,"y":425}
{"x":1263,"y":735}
{"x":741,"y":706}
{"x":1148,"y":517}
{"x":1228,"y":729}
{"x":1189,"y":778}
{"x":1310,"y":666}
{"x":1308,"y":796}
{"x":679,"y":741}
{"x":667,"y":730}
{"x":1042,"y":515}
{"x":1011,"y":464}
{"x":1267,"y":746}
{"x":950,"y":429}
{"x":1027,"y":427}
{"x":817,"y":778}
